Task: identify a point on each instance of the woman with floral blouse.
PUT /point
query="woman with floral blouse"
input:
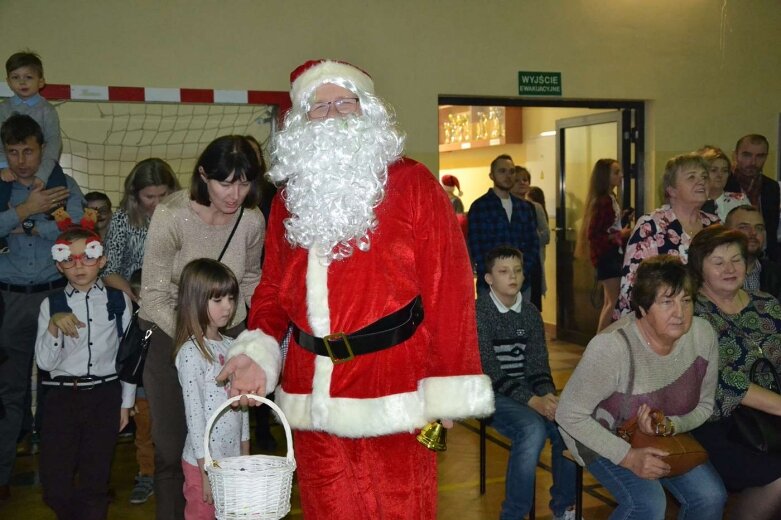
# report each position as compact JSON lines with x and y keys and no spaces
{"x":668,"y":230}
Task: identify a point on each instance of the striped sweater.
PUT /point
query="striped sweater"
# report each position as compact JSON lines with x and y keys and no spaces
{"x":513,"y":350}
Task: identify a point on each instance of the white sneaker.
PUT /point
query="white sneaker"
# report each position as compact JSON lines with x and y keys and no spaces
{"x":569,"y":514}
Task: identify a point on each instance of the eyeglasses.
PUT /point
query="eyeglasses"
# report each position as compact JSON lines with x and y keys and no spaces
{"x":86,"y":261}
{"x":103,"y":210}
{"x":343,"y":106}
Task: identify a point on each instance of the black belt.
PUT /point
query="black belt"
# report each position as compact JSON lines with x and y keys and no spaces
{"x":30,"y":289}
{"x":79,"y":383}
{"x":383,"y":333}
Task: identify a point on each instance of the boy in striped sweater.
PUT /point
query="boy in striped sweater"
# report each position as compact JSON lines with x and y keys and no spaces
{"x":515,"y":357}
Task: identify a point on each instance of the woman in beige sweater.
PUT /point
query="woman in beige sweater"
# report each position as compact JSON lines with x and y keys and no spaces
{"x":223,"y":195}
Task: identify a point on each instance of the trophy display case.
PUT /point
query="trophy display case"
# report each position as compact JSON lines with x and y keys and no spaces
{"x":465,"y":127}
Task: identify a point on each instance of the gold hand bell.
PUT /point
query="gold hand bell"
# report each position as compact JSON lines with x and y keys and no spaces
{"x":433,"y":436}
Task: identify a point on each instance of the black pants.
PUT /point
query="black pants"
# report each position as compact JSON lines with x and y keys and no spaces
{"x":78,"y":436}
{"x":17,"y":343}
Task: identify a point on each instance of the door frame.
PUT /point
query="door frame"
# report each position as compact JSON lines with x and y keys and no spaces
{"x":633,"y":123}
{"x":564,"y":228}
{"x":634,"y":134}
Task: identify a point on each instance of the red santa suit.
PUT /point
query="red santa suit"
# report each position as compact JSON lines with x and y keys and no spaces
{"x":371,"y":407}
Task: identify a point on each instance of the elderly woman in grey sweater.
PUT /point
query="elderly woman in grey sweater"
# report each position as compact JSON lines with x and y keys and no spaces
{"x":659,"y":357}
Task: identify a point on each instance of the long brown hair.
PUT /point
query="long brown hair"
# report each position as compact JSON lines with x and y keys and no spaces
{"x":149,"y":172}
{"x":201,"y":280}
{"x":598,"y":187}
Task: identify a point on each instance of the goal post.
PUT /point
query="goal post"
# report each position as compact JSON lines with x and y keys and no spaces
{"x":107,"y":130}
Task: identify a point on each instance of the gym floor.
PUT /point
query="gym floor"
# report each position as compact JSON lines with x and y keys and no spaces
{"x":459,"y":490}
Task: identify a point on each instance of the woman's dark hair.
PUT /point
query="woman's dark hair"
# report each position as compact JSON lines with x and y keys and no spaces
{"x":598,"y":186}
{"x":706,"y":241}
{"x":537,"y":195}
{"x":225,"y":156}
{"x":659,"y":272}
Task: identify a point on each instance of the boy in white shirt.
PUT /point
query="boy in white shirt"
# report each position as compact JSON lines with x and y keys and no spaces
{"x":85,"y":403}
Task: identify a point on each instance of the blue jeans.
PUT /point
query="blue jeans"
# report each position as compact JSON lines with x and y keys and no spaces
{"x":528,"y":431}
{"x":699,"y":491}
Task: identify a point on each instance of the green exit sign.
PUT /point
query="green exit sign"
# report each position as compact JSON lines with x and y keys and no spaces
{"x":539,"y":83}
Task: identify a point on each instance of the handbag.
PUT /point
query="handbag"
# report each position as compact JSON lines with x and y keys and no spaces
{"x":754,"y":428}
{"x":133,"y":348}
{"x":685,"y":453}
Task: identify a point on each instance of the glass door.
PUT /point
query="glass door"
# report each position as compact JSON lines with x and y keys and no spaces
{"x":581,"y":141}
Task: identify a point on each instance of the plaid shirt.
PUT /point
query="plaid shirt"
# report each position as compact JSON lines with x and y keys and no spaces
{"x":489,"y":228}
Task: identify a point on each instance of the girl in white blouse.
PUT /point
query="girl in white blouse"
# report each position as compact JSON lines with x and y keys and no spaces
{"x":208,"y":291}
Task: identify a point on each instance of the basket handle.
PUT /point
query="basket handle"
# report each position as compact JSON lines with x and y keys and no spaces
{"x":207,"y":458}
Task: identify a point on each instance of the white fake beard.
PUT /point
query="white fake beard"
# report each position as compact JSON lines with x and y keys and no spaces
{"x":335,"y":173}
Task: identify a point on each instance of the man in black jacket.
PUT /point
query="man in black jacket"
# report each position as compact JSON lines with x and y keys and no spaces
{"x":762,"y":273}
{"x":763,"y":192}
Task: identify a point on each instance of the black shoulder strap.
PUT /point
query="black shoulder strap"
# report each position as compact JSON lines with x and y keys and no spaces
{"x":115,"y":305}
{"x":116,"y":308}
{"x":230,"y":237}
{"x":58,"y":303}
{"x":630,"y":384}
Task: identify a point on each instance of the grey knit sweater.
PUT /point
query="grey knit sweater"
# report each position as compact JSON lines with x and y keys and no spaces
{"x":513,"y":350}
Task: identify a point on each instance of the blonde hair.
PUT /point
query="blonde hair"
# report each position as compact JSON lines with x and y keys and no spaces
{"x":201,"y":280}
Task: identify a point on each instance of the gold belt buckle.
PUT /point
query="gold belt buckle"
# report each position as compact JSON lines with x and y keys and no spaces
{"x":339,"y":336}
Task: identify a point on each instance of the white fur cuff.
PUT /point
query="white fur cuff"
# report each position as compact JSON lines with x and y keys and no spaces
{"x":263,"y":350}
{"x":458,"y":397}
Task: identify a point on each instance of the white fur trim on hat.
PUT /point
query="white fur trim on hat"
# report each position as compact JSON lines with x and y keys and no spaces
{"x":263,"y":350}
{"x":329,"y":72}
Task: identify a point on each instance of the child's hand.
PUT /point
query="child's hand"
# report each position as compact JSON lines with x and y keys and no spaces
{"x":545,"y":405}
{"x":7,"y":175}
{"x":38,"y":183}
{"x":124,"y":418}
{"x":207,"y":488}
{"x":67,"y":322}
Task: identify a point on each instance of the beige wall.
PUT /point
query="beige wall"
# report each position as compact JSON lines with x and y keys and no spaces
{"x":709,"y":72}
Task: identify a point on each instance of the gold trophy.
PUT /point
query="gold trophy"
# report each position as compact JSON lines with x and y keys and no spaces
{"x":433,"y":436}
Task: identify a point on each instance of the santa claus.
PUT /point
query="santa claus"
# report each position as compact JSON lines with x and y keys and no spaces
{"x":365,"y":259}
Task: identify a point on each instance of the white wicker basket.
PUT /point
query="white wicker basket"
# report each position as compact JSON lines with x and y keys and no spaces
{"x":250,"y":486}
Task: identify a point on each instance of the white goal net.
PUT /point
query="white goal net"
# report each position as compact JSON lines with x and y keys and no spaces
{"x":102,"y":141}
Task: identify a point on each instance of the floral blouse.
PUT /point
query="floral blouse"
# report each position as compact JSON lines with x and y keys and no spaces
{"x":125,"y":246}
{"x":659,"y":233}
{"x":725,"y":203}
{"x":743,"y":338}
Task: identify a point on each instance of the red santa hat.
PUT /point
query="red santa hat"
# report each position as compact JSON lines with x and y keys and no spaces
{"x":307,"y":77}
{"x":451,"y":180}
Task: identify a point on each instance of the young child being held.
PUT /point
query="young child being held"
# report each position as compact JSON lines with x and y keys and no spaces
{"x":208,"y":291}
{"x":514,"y":355}
{"x":85,"y":405}
{"x":25,"y":78}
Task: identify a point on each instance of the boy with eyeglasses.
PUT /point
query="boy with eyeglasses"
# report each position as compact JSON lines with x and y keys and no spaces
{"x":100,"y":202}
{"x":85,"y":405}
